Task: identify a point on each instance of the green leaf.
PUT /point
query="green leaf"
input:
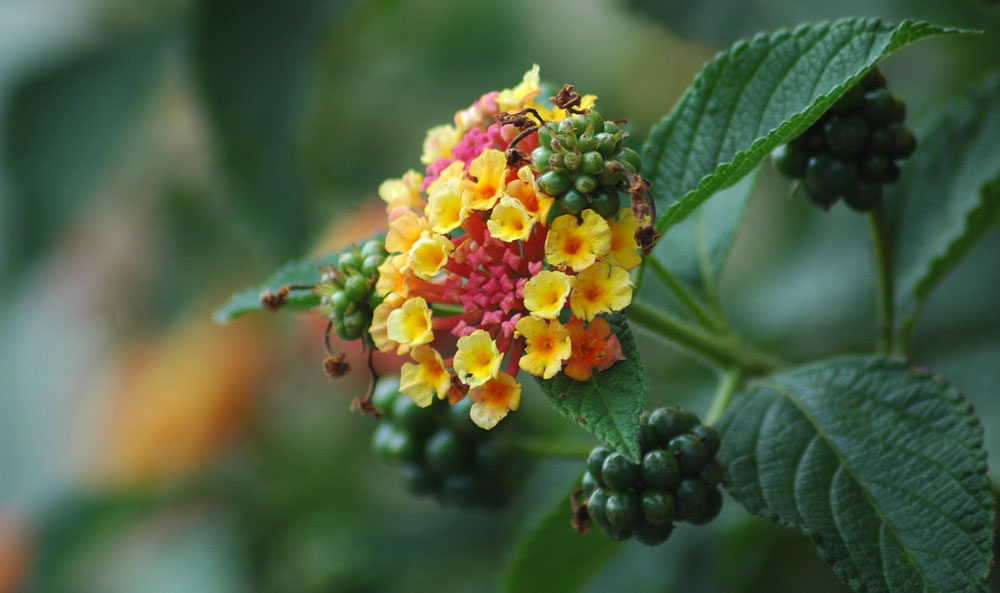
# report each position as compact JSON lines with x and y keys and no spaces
{"x":882,"y":466}
{"x":609,"y":404}
{"x":555,"y":559}
{"x":303,"y":271}
{"x":756,"y":96}
{"x":948,"y":197}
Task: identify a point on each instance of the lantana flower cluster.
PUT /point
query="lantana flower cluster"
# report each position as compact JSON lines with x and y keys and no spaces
{"x":479,"y":253}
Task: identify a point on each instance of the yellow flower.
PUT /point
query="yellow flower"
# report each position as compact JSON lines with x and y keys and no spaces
{"x":525,"y":190}
{"x":439,"y":142}
{"x":548,"y":346}
{"x":577,"y":245}
{"x":410,"y":325}
{"x":509,"y":221}
{"x":404,"y":231}
{"x":477,"y":360}
{"x":521,"y":95}
{"x":490,"y":170}
{"x":545,"y":293}
{"x":404,"y":191}
{"x":392,"y":278}
{"x":624,"y":250}
{"x":447,"y":207}
{"x":428,"y":377}
{"x":601,"y":288}
{"x":494,"y":399}
{"x":456,"y":170}
{"x":379,"y":329}
{"x":429,"y":254}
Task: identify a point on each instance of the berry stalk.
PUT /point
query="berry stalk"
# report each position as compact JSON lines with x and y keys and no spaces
{"x":688,"y":300}
{"x":879,"y":227}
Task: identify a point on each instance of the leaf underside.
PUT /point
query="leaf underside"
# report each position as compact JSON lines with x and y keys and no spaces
{"x":881,"y":466}
{"x":756,"y":96}
{"x":302,"y":271}
{"x":609,"y":404}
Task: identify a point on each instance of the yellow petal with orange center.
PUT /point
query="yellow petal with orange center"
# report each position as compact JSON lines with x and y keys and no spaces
{"x":509,"y":221}
{"x":447,"y":207}
{"x":453,"y":172}
{"x":601,"y":288}
{"x":577,"y":245}
{"x":392,"y":278}
{"x":494,"y":399}
{"x":545,"y":293}
{"x":429,"y":254}
{"x":489,"y":170}
{"x":422,"y":381}
{"x":379,"y":330}
{"x":410,"y":325}
{"x":624,"y":250}
{"x":439,"y":142}
{"x":477,"y":360}
{"x":548,"y":345}
{"x":404,"y":191}
{"x":525,"y":190}
{"x":404,"y":231}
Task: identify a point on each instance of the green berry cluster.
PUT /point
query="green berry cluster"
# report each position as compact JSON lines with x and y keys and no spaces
{"x":851,"y":152}
{"x":678,"y":479}
{"x":442,"y":453}
{"x":347,"y":291}
{"x":582,"y":160}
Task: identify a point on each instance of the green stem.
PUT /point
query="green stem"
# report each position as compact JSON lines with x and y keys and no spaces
{"x":879,"y":227}
{"x":543,"y":448}
{"x":725,"y":352}
{"x":995,"y":483}
{"x":731,"y":381}
{"x":687,"y":298}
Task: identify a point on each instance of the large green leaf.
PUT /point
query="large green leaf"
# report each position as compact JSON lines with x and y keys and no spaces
{"x":756,"y":96}
{"x":609,"y":404}
{"x":883,"y":467}
{"x":948,"y":197}
{"x":302,"y":272}
{"x":555,"y":559}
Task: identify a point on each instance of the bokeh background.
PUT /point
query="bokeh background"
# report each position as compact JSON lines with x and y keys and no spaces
{"x":159,"y":154}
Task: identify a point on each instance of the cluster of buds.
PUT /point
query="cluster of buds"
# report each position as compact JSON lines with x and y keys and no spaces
{"x":484,"y":273}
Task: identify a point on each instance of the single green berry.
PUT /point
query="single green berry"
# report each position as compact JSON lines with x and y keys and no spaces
{"x":493,"y":456}
{"x":579,"y":124}
{"x":846,"y":136}
{"x":339,"y":302}
{"x":373,"y":247}
{"x":596,"y":121}
{"x":874,"y":79}
{"x":586,"y":142}
{"x":653,"y":535}
{"x":691,"y":496}
{"x":572,"y":160}
{"x":593,"y":163}
{"x":606,"y":203}
{"x":712,"y":473}
{"x":597,"y":509}
{"x":670,"y":422}
{"x":565,"y":126}
{"x":879,"y":106}
{"x":873,"y":167}
{"x":350,"y":261}
{"x":595,"y":461}
{"x":357,"y":288}
{"x":553,"y":182}
{"x":461,"y":490}
{"x":540,"y":157}
{"x":385,"y":394}
{"x":446,"y":453}
{"x":612,"y":174}
{"x":660,"y":469}
{"x":851,"y":101}
{"x":658,"y":507}
{"x":623,"y":510}
{"x":898,"y":113}
{"x":585,"y":183}
{"x":417,"y":479}
{"x":606,"y":144}
{"x":355,"y":324}
{"x":556,"y":161}
{"x":790,"y":160}
{"x":708,"y":436}
{"x":338,"y":326}
{"x":402,"y":447}
{"x":382,"y":439}
{"x":374,"y":300}
{"x":690,"y":452}
{"x":544,"y":135}
{"x":629,"y":156}
{"x":882,"y":140}
{"x":411,"y":417}
{"x":867,"y":195}
{"x":574,"y":202}
{"x":589,"y":484}
{"x":370,"y":266}
{"x":618,"y":473}
{"x":828,"y":178}
{"x":891,"y":173}
{"x":611,"y":127}
{"x":648,"y":439}
{"x":713,"y":504}
{"x":904,"y":143}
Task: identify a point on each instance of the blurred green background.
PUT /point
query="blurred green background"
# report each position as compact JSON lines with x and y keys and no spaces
{"x":158,"y":155}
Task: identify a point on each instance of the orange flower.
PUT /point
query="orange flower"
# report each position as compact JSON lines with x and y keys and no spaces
{"x":593,"y":347}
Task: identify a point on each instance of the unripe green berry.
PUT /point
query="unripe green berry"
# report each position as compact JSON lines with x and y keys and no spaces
{"x":851,"y":101}
{"x":540,"y":157}
{"x":357,"y":288}
{"x":670,"y":422}
{"x":589,"y":484}
{"x":846,"y":136}
{"x":653,"y":535}
{"x":873,"y":167}
{"x":879,"y":106}
{"x":898,"y":113}
{"x":565,"y":126}
{"x":647,"y":436}
{"x":446,"y":453}
{"x":618,"y":473}
{"x":828,"y":178}
{"x":339,"y":302}
{"x":658,"y":507}
{"x":611,"y":127}
{"x":713,"y":504}
{"x":417,"y":479}
{"x":553,"y":182}
{"x":355,"y":324}
{"x":611,"y":176}
{"x":790,"y":160}
{"x":574,"y":202}
{"x":544,"y":135}
{"x":690,"y":452}
{"x":629,"y":156}
{"x":891,"y":173}
{"x":712,"y":473}
{"x":460,"y":490}
{"x":572,"y":160}
{"x":459,"y":420}
{"x":579,"y":123}
{"x":371,"y":264}
{"x":385,"y":394}
{"x":374,"y":300}
{"x":586,"y":142}
{"x":874,"y":79}
{"x":585,"y":183}
{"x":350,"y":261}
{"x":623,"y":510}
{"x":904,"y":143}
{"x":338,"y":326}
{"x":556,"y":161}
{"x":596,"y":121}
{"x":691,"y":497}
{"x":606,"y":202}
{"x":882,"y":140}
{"x":382,"y":440}
{"x":597,"y":506}
{"x":606,"y":144}
{"x":865,"y":197}
{"x":373,"y":247}
{"x":493,"y":456}
{"x":595,"y":461}
{"x":593,"y":163}
{"x":708,"y":436}
{"x":402,"y":447}
{"x":660,"y":469}
{"x":411,"y":417}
